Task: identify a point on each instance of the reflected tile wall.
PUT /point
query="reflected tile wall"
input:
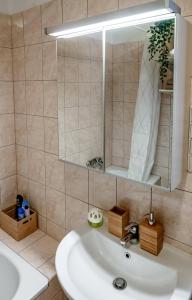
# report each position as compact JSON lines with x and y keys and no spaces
{"x":80,"y":78}
{"x":49,"y":177}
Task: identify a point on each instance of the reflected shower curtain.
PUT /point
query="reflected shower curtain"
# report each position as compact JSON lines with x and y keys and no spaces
{"x":146,"y":120}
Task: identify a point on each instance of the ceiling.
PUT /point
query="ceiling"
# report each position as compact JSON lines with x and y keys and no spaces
{"x":13,"y":6}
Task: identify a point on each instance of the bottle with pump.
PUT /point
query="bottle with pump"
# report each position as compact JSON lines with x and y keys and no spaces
{"x":151,"y":233}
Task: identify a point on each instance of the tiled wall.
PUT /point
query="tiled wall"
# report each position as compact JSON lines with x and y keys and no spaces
{"x":80,"y":98}
{"x":7,"y":127}
{"x":59,"y":191}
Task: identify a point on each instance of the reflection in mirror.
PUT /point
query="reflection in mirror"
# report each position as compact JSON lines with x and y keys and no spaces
{"x":139,"y":94}
{"x":80,"y":112}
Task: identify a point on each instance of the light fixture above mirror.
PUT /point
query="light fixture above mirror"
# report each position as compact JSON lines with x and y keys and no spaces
{"x":155,"y":11}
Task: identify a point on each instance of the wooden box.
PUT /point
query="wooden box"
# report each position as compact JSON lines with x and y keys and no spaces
{"x":18,"y":229}
{"x":151,"y":237}
{"x":118,"y":218}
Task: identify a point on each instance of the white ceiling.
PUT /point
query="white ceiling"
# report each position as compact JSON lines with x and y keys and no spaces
{"x":13,"y":6}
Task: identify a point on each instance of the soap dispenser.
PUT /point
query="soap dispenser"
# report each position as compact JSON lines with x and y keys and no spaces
{"x":151,"y":233}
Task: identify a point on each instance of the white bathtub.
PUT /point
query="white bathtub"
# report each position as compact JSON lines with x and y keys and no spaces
{"x":18,"y":279}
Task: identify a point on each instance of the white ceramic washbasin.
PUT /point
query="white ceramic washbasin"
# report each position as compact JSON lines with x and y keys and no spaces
{"x":88,"y":260}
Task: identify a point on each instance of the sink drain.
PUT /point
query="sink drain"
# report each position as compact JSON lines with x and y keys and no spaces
{"x":119,"y":283}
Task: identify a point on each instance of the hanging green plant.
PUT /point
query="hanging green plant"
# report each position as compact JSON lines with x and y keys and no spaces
{"x":161,"y":36}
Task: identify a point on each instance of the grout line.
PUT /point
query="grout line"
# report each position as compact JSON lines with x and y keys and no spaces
{"x":32,"y":243}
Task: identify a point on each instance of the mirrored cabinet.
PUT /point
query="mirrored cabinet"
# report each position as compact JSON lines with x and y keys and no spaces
{"x":121,"y":99}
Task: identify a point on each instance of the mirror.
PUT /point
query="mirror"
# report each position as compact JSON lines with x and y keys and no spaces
{"x":80,"y":113}
{"x":139,"y":109}
{"x":116,"y":101}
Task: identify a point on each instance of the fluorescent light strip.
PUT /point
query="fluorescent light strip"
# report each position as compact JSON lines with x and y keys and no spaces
{"x":80,"y":33}
{"x":116,"y":26}
{"x":113,"y":23}
{"x":142,"y":21}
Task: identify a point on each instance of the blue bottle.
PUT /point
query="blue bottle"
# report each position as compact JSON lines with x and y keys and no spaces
{"x":21,"y":213}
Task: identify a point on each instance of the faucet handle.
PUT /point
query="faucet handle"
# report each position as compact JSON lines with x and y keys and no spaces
{"x":132,"y":227}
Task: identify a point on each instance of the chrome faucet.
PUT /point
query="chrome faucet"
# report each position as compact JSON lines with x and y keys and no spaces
{"x":132,"y":235}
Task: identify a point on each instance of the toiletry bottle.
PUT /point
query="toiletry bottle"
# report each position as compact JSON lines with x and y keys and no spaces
{"x":19,"y":203}
{"x":151,"y":234}
{"x":27,"y":211}
{"x":21,"y":213}
{"x":26,"y":206}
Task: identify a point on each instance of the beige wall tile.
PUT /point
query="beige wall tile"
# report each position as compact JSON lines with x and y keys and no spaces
{"x":186,"y":6}
{"x":34,"y":97}
{"x":7,"y":161}
{"x":55,"y":206}
{"x":5,"y":30}
{"x":6,"y":96}
{"x":21,"y":129}
{"x":84,"y":94}
{"x":74,"y":9}
{"x":17,"y":30}
{"x":49,"y":61}
{"x":22,"y":185}
{"x":51,"y":135}
{"x":51,"y":15}
{"x":101,"y":6}
{"x":19,"y":97}
{"x":71,"y":118}
{"x":33,"y":62}
{"x":174,"y":211}
{"x":37,"y":165}
{"x":8,"y":191}
{"x":50,"y":99}
{"x":84,"y":117}
{"x":35,"y":130}
{"x":131,"y":72}
{"x":130,"y":92}
{"x":117,"y":111}
{"x":32,"y":25}
{"x":37,"y":254}
{"x":129,"y":3}
{"x":76,"y":213}
{"x":7,"y":132}
{"x":42,"y":223}
{"x":163,"y":136}
{"x":71,"y":94}
{"x":22,"y":160}
{"x":76,"y":182}
{"x":162,"y":156}
{"x":18,"y":64}
{"x":102,"y":190}
{"x":134,"y":197}
{"x":55,"y":231}
{"x":71,"y":70}
{"x":165,"y":115}
{"x":6,"y":64}
{"x":55,"y":172}
{"x":37,"y":197}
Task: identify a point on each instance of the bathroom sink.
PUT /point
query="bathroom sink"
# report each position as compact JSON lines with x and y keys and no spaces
{"x":88,"y":261}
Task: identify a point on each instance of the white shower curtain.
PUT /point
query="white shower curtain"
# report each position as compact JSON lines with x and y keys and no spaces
{"x":146,"y":120}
